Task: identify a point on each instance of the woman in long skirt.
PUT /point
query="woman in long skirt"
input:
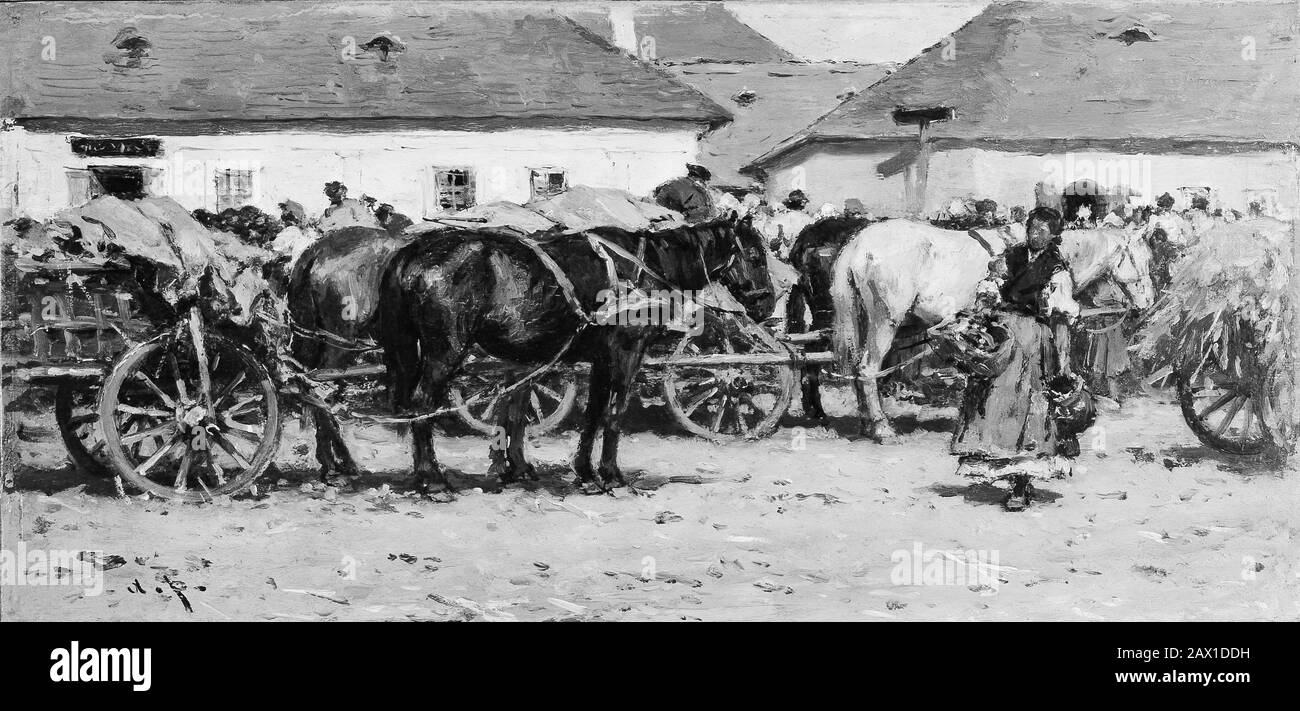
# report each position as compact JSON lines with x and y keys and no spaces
{"x":1006,"y":430}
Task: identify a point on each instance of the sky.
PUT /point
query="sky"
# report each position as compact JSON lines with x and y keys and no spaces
{"x":870,"y":32}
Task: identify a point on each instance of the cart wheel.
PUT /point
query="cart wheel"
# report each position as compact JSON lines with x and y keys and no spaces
{"x":729,"y":402}
{"x":550,"y":402}
{"x":77,"y":413}
{"x":176,"y":434}
{"x":1227,"y":412}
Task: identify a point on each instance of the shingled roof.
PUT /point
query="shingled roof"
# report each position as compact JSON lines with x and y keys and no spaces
{"x":1030,"y":72}
{"x":782,"y":99}
{"x":272,"y":62}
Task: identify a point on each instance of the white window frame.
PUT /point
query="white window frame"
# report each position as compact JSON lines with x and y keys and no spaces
{"x":441,"y":188}
{"x":546,"y":189}
{"x":229,"y":193}
{"x":82,"y":186}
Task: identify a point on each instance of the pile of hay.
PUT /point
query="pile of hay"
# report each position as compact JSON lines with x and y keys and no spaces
{"x":1232,"y":297}
{"x":1230,"y":289}
{"x":108,"y":231}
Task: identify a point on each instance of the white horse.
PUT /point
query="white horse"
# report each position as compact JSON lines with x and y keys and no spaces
{"x":901,"y":270}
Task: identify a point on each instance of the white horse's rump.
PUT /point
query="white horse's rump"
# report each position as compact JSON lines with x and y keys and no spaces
{"x":898,"y":268}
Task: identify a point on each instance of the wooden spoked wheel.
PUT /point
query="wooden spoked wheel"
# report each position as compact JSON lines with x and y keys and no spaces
{"x":732,"y":399}
{"x":551,"y":397}
{"x":76,"y":411}
{"x":1227,"y":410}
{"x":190,"y":423}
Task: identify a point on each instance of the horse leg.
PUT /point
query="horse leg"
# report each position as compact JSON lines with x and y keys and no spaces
{"x":332,"y":452}
{"x":598,"y":395}
{"x":812,"y":394}
{"x":796,"y":322}
{"x":626,"y":363}
{"x":871,"y":411}
{"x":407,"y":368}
{"x":429,"y":477}
{"x":509,"y":463}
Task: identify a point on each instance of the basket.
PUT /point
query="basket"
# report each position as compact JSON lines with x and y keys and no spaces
{"x":976,"y":345}
{"x":1074,"y":408}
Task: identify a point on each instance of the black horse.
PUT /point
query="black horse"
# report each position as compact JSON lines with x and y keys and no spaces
{"x":530,"y":304}
{"x":333,"y":299}
{"x":813,"y":256}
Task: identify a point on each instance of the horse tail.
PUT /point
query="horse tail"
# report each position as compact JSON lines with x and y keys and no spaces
{"x":850,"y":319}
{"x":396,"y":330}
{"x":303,"y":311}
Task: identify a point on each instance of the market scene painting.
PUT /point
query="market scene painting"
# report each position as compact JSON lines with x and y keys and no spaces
{"x":606,"y":310}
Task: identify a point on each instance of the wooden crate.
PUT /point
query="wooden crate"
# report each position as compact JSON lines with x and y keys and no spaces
{"x":78,"y":315}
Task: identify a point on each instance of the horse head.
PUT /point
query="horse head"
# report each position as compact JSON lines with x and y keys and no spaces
{"x":740,"y":260}
{"x":1128,"y":264}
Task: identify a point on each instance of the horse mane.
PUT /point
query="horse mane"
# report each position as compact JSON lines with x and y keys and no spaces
{"x":836,"y":230}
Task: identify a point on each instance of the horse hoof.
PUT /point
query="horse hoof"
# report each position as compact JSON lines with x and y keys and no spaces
{"x":1016,"y":503}
{"x":612,"y":479}
{"x":592,"y":488}
{"x":437,"y":491}
{"x":340,"y":480}
{"x":446,"y":496}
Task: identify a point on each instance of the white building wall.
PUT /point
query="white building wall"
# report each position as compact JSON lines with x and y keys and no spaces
{"x":394,"y":167}
{"x":834,"y":177}
{"x":1234,"y":179}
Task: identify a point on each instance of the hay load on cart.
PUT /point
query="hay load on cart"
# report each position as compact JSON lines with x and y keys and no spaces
{"x":155,"y":239}
{"x":1224,"y":332}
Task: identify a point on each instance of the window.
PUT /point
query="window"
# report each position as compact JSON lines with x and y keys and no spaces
{"x":453,"y":189}
{"x":234,"y":188}
{"x":547,"y":182}
{"x":82,"y":187}
{"x":128,"y":182}
{"x":1261,"y":202}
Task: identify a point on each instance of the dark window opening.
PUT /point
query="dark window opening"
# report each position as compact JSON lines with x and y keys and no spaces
{"x":121,"y":181}
{"x":98,"y":146}
{"x":1088,"y":194}
{"x":383,"y":45}
{"x":132,"y":49}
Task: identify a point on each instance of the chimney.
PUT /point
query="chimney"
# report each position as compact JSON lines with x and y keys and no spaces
{"x":621,"y":19}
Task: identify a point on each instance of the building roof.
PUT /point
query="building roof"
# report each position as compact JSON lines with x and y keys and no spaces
{"x":279,"y":61}
{"x":785,"y":98}
{"x":1029,"y":72}
{"x":685,"y":33}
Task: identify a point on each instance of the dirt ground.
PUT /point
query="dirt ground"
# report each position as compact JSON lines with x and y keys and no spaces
{"x":810,"y":524}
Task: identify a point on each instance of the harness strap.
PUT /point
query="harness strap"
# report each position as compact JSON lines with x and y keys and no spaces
{"x":566,"y":286}
{"x":600,"y":244}
{"x":983,"y":242}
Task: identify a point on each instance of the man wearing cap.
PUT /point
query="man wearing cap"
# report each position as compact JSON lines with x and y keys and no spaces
{"x":344,"y":211}
{"x":689,"y":195}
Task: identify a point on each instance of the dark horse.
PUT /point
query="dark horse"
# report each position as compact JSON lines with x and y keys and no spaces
{"x":333,"y":298}
{"x":813,"y":256}
{"x":442,"y":297}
